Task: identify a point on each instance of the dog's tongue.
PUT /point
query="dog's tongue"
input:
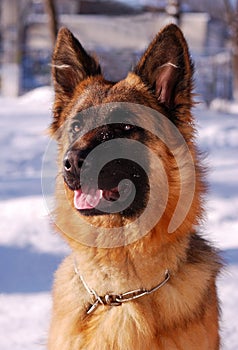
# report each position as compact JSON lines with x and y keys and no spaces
{"x":87,"y":200}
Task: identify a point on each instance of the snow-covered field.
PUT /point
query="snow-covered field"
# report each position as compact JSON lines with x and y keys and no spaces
{"x":30,"y":251}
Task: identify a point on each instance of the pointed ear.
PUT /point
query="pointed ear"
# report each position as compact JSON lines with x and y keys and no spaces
{"x":71,"y":64}
{"x":167,"y":69}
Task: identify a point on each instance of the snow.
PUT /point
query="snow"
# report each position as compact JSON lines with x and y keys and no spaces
{"x":221,"y":105}
{"x":29,"y":249}
{"x":218,"y":136}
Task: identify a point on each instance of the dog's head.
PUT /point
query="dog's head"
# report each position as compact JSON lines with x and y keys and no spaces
{"x":110,"y":132}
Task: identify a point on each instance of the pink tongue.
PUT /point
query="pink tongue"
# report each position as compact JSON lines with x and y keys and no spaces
{"x":87,"y":200}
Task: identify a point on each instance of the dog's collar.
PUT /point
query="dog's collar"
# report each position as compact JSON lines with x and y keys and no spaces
{"x":117,"y":299}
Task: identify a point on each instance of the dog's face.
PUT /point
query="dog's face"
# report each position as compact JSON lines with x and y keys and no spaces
{"x":99,"y":126}
{"x":103,"y":182}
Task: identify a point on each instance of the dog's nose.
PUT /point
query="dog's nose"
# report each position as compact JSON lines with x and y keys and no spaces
{"x":73,"y":161}
{"x":67,"y":164}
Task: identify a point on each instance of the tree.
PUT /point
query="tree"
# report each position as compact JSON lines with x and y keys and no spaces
{"x":226,"y":10}
{"x":11,"y":45}
{"x":231,"y":8}
{"x":173,"y":10}
{"x":50,"y":8}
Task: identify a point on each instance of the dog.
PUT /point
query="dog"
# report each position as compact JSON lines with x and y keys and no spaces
{"x":129,"y":202}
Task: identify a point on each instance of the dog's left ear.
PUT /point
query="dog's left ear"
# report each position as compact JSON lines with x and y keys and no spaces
{"x":167,"y":69}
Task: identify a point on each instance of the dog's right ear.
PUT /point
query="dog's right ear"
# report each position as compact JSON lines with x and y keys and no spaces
{"x":71,"y":64}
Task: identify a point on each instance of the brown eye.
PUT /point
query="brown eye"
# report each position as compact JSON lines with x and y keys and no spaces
{"x":75,"y":127}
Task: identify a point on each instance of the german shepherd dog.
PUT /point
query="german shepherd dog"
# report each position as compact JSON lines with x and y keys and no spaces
{"x":129,"y":202}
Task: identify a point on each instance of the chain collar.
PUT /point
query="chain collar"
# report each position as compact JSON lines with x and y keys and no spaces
{"x":117,"y":299}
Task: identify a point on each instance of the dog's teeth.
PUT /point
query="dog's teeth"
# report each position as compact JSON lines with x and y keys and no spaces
{"x":111,"y":195}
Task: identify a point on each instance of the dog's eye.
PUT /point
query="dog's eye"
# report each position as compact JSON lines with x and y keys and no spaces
{"x":128,"y":127}
{"x":75,"y":127}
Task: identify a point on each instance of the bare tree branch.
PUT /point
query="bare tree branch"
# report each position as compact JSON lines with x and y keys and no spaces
{"x":228,"y":9}
{"x":53,"y":18}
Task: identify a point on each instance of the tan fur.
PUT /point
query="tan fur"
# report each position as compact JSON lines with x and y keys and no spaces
{"x":184,"y":313}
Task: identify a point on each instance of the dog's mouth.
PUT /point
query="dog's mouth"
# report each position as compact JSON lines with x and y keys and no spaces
{"x":121,"y":187}
{"x":92,"y":198}
{"x":99,"y":198}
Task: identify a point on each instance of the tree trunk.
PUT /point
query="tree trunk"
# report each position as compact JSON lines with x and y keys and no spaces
{"x":173,"y":11}
{"x":10,"y":77}
{"x":53,"y":19}
{"x":231,"y":11}
{"x":235,"y":73}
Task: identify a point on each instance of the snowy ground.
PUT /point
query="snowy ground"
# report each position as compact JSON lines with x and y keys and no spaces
{"x":30,"y":251}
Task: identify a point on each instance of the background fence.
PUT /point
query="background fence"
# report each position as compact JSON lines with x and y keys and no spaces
{"x":213,"y":76}
{"x":213,"y":73}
